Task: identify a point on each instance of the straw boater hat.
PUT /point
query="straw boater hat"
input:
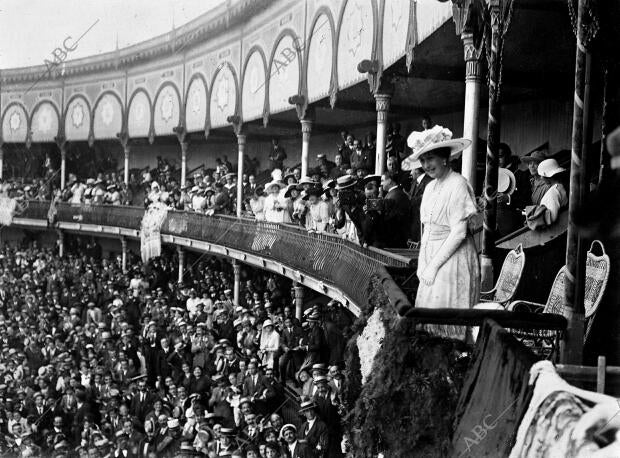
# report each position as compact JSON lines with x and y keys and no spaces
{"x":549,"y":168}
{"x":430,"y":140}
{"x":286,"y":428}
{"x":345,"y":182}
{"x":307,"y":405}
{"x":506,"y":181}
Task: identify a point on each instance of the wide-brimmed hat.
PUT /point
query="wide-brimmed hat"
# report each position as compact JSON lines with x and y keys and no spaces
{"x":290,"y":188}
{"x":271,"y":184}
{"x":422,"y":142}
{"x":306,"y":180}
{"x":345,"y":182}
{"x":287,"y":176}
{"x":536,"y":156}
{"x":368,"y":178}
{"x":506,"y":181}
{"x":549,"y":168}
{"x":307,"y":405}
{"x":613,"y":146}
{"x":316,"y":191}
{"x":267,"y":322}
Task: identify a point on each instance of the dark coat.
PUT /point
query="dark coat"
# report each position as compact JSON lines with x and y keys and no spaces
{"x":396,"y":217}
{"x":318,"y":435}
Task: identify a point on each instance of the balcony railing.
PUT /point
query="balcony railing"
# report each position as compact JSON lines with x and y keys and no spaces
{"x":324,"y":257}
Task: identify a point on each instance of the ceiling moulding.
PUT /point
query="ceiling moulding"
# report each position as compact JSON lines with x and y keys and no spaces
{"x":182,"y":38}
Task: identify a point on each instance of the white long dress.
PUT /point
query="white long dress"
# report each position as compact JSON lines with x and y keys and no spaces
{"x":445,"y":203}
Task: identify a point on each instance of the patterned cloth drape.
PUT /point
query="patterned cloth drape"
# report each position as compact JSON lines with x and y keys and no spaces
{"x":150,"y":230}
{"x":7,"y":210}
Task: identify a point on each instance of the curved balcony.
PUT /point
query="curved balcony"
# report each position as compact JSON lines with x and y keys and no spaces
{"x":332,"y":266}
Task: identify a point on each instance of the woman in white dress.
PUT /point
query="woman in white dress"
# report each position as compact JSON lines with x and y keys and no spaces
{"x":448,"y":266}
{"x":257,"y":204}
{"x":269,"y":343}
{"x":276,"y":207}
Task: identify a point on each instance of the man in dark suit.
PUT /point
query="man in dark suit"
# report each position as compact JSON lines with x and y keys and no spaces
{"x":328,"y":412}
{"x":314,"y":431}
{"x":416,"y":191}
{"x":142,"y":401}
{"x":293,"y":448}
{"x":254,"y":384}
{"x":289,"y":341}
{"x":396,"y":213}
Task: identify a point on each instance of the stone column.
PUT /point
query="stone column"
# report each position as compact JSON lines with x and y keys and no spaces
{"x":126,"y":149}
{"x":61,"y":243}
{"x":184,"y":146}
{"x":299,"y":301}
{"x":63,"y":166}
{"x":306,"y":130}
{"x":472,"y":103}
{"x":124,"y":254}
{"x":241,"y":149}
{"x":383,"y":107}
{"x":237,"y":282}
{"x":181,"y":253}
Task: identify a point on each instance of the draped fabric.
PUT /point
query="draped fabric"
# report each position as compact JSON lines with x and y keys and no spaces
{"x":7,"y":210}
{"x":150,"y":231}
{"x":555,"y":407}
{"x":494,"y":396}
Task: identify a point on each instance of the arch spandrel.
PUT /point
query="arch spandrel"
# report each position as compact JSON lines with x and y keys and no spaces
{"x":320,"y":58}
{"x":14,"y":124}
{"x":355,"y":40}
{"x":45,"y":122}
{"x":108,"y":117}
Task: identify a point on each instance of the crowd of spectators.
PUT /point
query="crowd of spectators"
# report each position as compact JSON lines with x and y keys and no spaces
{"x":96,"y":362}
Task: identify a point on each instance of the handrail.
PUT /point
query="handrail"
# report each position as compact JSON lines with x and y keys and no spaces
{"x":324,"y":257}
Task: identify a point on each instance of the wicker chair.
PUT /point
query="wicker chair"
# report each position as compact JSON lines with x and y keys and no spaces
{"x":508,"y":280}
{"x":597,"y":274}
{"x":545,"y":342}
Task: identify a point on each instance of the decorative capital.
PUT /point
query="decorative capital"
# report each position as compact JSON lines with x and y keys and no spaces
{"x":382,"y":102}
{"x":123,"y":137}
{"x":301,"y":104}
{"x":181,"y":133}
{"x":241,"y":138}
{"x":61,"y":142}
{"x":306,"y":126}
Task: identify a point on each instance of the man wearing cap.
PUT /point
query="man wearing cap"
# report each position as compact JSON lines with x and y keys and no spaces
{"x":225,"y":444}
{"x":142,"y":400}
{"x":538,"y":186}
{"x":313,"y":431}
{"x":170,"y":442}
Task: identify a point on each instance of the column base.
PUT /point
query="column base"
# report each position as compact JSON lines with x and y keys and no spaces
{"x":486,"y":273}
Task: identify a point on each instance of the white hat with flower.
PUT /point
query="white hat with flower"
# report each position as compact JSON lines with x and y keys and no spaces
{"x":425,"y":141}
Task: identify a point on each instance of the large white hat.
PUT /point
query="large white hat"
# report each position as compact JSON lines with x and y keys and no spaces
{"x":273,"y":183}
{"x":549,"y":168}
{"x":506,"y":181}
{"x":428,"y":140}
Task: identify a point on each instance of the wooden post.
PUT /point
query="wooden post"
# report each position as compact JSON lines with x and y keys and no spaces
{"x":600,"y":374}
{"x":306,"y":130}
{"x":181,"y":254}
{"x":124,"y":254}
{"x":572,"y":350}
{"x":299,"y":301}
{"x":237,"y":281}
{"x":473,"y":78}
{"x":241,"y":148}
{"x":1,"y":161}
{"x":382,"y":104}
{"x":489,"y":228}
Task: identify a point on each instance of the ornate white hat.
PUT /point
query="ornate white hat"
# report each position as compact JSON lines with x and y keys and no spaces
{"x":431,"y":139}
